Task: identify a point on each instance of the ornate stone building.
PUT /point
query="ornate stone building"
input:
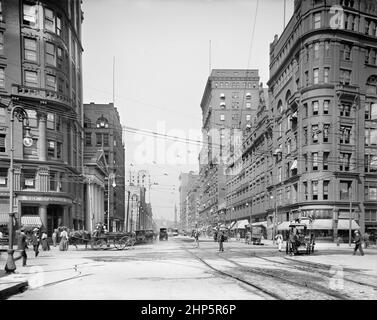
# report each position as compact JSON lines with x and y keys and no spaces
{"x":41,"y":70}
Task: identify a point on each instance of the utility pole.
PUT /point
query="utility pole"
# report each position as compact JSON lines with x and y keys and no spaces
{"x":350,"y":221}
{"x":128,"y":208}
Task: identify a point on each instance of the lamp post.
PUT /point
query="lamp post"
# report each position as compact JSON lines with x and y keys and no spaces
{"x":21,"y":115}
{"x":110,"y":178}
{"x":274,"y":218}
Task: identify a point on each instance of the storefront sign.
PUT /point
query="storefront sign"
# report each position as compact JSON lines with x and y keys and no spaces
{"x":45,"y":199}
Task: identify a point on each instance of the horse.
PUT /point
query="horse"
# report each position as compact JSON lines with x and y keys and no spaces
{"x":76,"y":237}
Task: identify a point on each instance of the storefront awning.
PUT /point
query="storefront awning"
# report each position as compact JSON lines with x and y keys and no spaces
{"x":284,"y":226}
{"x":240,"y":224}
{"x":319,"y":224}
{"x":31,"y":221}
{"x":261,"y":223}
{"x":344,"y":224}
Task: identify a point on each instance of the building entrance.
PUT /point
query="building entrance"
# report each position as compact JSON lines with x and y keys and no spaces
{"x":54,"y":218}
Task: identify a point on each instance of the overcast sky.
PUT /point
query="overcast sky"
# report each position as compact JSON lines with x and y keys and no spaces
{"x":161,"y":50}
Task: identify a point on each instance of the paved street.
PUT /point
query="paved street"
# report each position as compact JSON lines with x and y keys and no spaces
{"x":177,"y":270}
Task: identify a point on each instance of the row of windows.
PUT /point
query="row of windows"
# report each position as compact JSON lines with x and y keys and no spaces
{"x":235,"y":117}
{"x":29,"y":178}
{"x":235,"y":84}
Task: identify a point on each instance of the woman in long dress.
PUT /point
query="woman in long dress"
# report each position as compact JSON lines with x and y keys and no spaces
{"x":63,"y":246}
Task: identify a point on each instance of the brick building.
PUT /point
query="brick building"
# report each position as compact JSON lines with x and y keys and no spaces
{"x":323,"y":87}
{"x":228,"y":106}
{"x":103,"y":132}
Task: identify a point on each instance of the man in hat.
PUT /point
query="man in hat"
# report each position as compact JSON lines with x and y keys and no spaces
{"x":22,"y":246}
{"x":358,"y":242}
{"x":35,"y":241}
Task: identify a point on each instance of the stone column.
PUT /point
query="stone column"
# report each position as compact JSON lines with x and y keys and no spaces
{"x":43,"y":214}
{"x":42,"y":140}
{"x":335,"y":223}
{"x":88,"y":206}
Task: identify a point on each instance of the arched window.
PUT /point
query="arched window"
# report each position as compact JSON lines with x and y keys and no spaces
{"x":102,"y":122}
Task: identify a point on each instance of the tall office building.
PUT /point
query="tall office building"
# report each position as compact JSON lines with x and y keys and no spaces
{"x":229,"y":105}
{"x":323,"y":87}
{"x":41,"y":71}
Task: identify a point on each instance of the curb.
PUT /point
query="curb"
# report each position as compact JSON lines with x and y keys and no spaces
{"x":12,"y":289}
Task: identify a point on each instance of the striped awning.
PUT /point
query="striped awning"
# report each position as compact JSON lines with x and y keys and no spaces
{"x":31,"y":221}
{"x":4,"y":219}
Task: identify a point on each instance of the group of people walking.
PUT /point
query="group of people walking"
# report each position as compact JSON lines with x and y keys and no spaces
{"x":39,"y":238}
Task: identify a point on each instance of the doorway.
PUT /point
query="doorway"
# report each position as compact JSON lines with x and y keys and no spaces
{"x":54,"y":218}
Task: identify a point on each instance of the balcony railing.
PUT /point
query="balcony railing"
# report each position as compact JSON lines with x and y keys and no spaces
{"x":40,"y":93}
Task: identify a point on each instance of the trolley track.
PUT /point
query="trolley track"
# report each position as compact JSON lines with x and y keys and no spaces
{"x":304,"y":284}
{"x":226,"y":274}
{"x":318,"y":291}
{"x":306,"y":267}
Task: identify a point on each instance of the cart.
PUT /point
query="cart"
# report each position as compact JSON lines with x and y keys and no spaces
{"x":300,"y":240}
{"x":256,"y":235}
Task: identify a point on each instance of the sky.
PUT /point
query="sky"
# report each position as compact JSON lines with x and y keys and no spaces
{"x":163,"y":51}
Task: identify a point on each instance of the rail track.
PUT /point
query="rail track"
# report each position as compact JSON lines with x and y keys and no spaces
{"x":303,"y":288}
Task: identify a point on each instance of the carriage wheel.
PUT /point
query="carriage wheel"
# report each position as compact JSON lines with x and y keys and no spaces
{"x":119,"y":244}
{"x":98,"y":244}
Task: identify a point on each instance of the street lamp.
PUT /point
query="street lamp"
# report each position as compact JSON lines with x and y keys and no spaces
{"x":111,"y":177}
{"x":274,"y":218}
{"x":21,"y":115}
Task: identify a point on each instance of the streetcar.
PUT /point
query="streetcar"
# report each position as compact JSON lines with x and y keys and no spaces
{"x":300,"y":239}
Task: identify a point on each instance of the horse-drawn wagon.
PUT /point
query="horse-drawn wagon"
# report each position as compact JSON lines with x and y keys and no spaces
{"x":100,"y":239}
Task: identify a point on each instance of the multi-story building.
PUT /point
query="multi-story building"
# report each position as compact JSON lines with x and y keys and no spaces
{"x":140,"y":178}
{"x":247,"y":198}
{"x":187,"y":183}
{"x":323,"y":87}
{"x":229,"y":103}
{"x":103,"y":131}
{"x":41,"y":71}
{"x":193,"y":205}
{"x":137,"y":210}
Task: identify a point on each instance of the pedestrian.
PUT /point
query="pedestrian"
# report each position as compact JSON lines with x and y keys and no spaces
{"x":279,"y":240}
{"x":63,"y":246}
{"x":54,"y":236}
{"x":45,"y":245}
{"x":238,"y":236}
{"x":338,"y":240}
{"x":221,"y":241}
{"x":196,"y":236}
{"x":248,"y":237}
{"x":358,"y":243}
{"x":366,"y":240}
{"x":215,"y":236}
{"x":22,"y":246}
{"x":35,"y":241}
